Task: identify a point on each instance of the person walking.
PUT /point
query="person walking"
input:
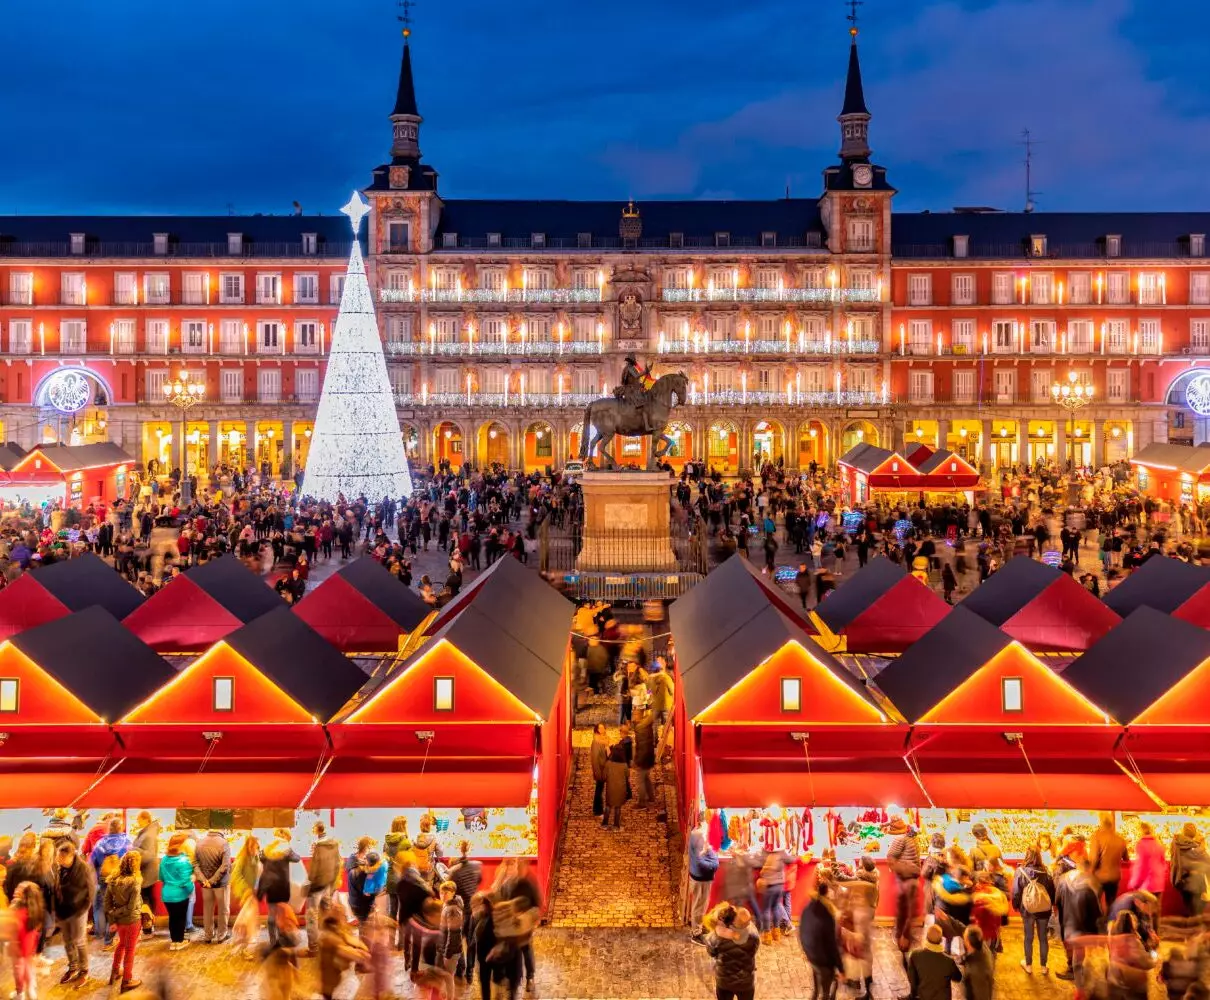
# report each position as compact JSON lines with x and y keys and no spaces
{"x":1150,"y":868}
{"x":598,"y":755}
{"x":930,"y":970}
{"x":1033,"y":895}
{"x":123,"y":900}
{"x":903,"y":857}
{"x":703,"y":866}
{"x":978,"y":966}
{"x":72,"y":893}
{"x":147,"y":843}
{"x":176,"y":872}
{"x":212,"y":869}
{"x":412,"y":891}
{"x":114,"y":844}
{"x":323,"y":876}
{"x":644,"y":757}
{"x":1106,"y":852}
{"x":274,"y":885}
{"x":466,"y":874}
{"x":27,"y":912}
{"x":617,"y":776}
{"x":366,"y":881}
{"x":1188,"y":867}
{"x":818,"y":937}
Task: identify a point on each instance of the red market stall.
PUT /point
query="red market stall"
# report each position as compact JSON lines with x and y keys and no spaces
{"x":49,"y":592}
{"x":867,"y":472}
{"x":363,"y":608}
{"x":1169,"y":585}
{"x":197,"y":608}
{"x":1041,"y":607}
{"x":473,"y":729}
{"x":880,"y":609}
{"x":1176,"y":472}
{"x":72,"y":475}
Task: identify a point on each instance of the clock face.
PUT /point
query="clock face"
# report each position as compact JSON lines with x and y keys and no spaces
{"x":862,"y":174}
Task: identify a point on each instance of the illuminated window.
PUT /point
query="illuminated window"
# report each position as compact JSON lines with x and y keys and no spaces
{"x":1011,"y":695}
{"x":791,"y":694}
{"x":10,"y":691}
{"x":224,"y":694}
{"x":443,"y":694}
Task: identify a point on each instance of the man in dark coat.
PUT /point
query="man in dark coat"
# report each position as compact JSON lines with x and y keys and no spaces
{"x":71,"y":898}
{"x":1078,"y":900}
{"x":817,"y":935}
{"x":412,"y":891}
{"x":930,"y":970}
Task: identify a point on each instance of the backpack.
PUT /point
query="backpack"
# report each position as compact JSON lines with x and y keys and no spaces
{"x":1035,"y":898}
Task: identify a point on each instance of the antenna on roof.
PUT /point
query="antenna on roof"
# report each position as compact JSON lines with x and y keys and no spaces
{"x":1028,"y":141}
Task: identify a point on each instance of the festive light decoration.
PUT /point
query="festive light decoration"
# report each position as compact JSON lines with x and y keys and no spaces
{"x":357,"y":447}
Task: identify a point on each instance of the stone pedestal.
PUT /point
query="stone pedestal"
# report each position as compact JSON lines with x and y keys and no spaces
{"x":626,"y":524}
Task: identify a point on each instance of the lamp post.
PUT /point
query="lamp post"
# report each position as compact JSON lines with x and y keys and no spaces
{"x":183,"y":392}
{"x":1072,"y":396}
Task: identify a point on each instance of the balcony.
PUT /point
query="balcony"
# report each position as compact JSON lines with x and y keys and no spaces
{"x":724,"y":397}
{"x":828,"y":295}
{"x":511,"y":348}
{"x":511,"y":296}
{"x":783,"y":347}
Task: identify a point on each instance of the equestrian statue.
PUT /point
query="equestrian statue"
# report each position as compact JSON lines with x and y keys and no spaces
{"x":639,"y":406}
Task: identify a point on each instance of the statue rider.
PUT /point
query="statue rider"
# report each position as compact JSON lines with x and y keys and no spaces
{"x":633,"y":388}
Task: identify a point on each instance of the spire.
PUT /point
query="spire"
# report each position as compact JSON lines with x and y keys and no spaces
{"x":405,"y":119}
{"x":854,"y":117}
{"x":405,"y":95}
{"x":854,"y":95}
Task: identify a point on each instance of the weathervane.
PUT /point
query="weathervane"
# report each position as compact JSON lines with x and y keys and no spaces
{"x":405,"y":18}
{"x":851,"y":16}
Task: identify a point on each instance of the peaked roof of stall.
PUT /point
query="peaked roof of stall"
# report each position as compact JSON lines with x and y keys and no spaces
{"x":1161,"y":582}
{"x":866,"y":457}
{"x":881,"y":608}
{"x":24,"y":604}
{"x":86,"y":580}
{"x":299,"y":661}
{"x":362,"y":607}
{"x":1138,"y":662}
{"x":98,"y":660}
{"x":1041,"y":606}
{"x":197,"y":608}
{"x":730,"y":623}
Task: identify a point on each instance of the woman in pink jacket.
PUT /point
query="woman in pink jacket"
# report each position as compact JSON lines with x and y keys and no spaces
{"x":1150,"y":870}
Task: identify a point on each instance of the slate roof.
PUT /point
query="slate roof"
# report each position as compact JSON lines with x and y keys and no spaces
{"x":92,"y":655}
{"x":1009,"y":589}
{"x":86,"y":580}
{"x":235,"y":587}
{"x":405,"y":94}
{"x":1068,"y":234}
{"x":1161,"y":583}
{"x":854,"y":94}
{"x":1137,"y":662}
{"x":374,"y":582}
{"x":939,"y":662}
{"x":859,"y":592}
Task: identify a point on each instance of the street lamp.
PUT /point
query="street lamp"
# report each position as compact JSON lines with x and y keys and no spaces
{"x":1072,"y":396}
{"x":183,"y":392}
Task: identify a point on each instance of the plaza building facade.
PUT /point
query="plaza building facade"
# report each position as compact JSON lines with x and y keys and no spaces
{"x":806,"y":326}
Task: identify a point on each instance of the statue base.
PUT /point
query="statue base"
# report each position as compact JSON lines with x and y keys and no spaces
{"x":626,"y":522}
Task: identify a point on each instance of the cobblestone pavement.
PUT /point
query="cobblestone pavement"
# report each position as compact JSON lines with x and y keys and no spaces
{"x":572,"y":964}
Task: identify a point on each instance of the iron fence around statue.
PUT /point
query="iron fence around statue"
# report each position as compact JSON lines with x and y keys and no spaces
{"x":559,"y":548}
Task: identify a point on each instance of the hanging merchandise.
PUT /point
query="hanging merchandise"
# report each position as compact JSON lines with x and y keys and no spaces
{"x":356,"y":448}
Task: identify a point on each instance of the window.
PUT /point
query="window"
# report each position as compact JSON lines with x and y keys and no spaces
{"x":157,"y":336}
{"x":1005,"y":383}
{"x":962,"y":336}
{"x":537,"y":239}
{"x":401,"y":380}
{"x":538,"y":329}
{"x":310,"y":243}
{"x":1117,"y":384}
{"x":492,"y":279}
{"x":1197,"y":244}
{"x":446,"y":329}
{"x":723,"y":277}
{"x":231,"y":385}
{"x":1002,"y":288}
{"x":398,"y":234}
{"x":336,"y":289}
{"x":583,"y":240}
{"x":193,"y":288}
{"x":20,"y":336}
{"x":75,"y":289}
{"x":124,"y":336}
{"x":791,"y":694}
{"x":861,"y":236}
{"x":1011,"y":694}
{"x":443,"y":694}
{"x":126,"y":288}
{"x":1042,"y":288}
{"x":231,"y":337}
{"x":768,"y":239}
{"x":962,"y":246}
{"x":447,"y":380}
{"x":1040,"y":380}
{"x":10,"y":694}
{"x":493,"y":239}
{"x":268,"y":385}
{"x":159,"y":243}
{"x":21,"y":288}
{"x":584,"y":380}
{"x":231,"y":288}
{"x":676,"y":240}
{"x":860,"y":379}
{"x":193,"y":336}
{"x":1199,"y":288}
{"x":538,"y":280}
{"x":1079,"y":288}
{"x":306,"y":336}
{"x":306,"y":288}
{"x":155,"y":384}
{"x":1113,"y":246}
{"x":224,"y":694}
{"x":964,"y":290}
{"x":1199,"y":335}
{"x":449,"y":241}
{"x":1117,"y":287}
{"x":156,"y":289}
{"x":1080,"y":336}
{"x":964,"y":386}
{"x":920,"y":387}
{"x":493,"y":380}
{"x":495,"y":331}
{"x":399,"y":329}
{"x":1115,"y":336}
{"x":920,"y":339}
{"x":1004,"y":336}
{"x":267,"y":335}
{"x":721,"y":327}
{"x":77,"y":243}
{"x":1042,"y":336}
{"x":722,"y":239}
{"x":1150,"y":336}
{"x":677,"y":277}
{"x":920,"y":289}
{"x":306,"y":384}
{"x":235,"y":244}
{"x":73,"y":336}
{"x":1150,"y":289}
{"x":268,"y":289}
{"x":1037,"y":246}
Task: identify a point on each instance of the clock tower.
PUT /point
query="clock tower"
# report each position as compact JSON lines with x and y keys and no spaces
{"x":405,"y":119}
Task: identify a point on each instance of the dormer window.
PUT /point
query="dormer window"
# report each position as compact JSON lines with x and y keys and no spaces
{"x":159,"y":243}
{"x":961,"y":246}
{"x":493,"y":239}
{"x":224,"y":694}
{"x":1012,"y":694}
{"x":77,"y":243}
{"x":537,"y":239}
{"x":1113,"y":246}
{"x":235,"y":244}
{"x":443,"y":694}
{"x":449,"y":240}
{"x":791,"y":694}
{"x":583,"y":240}
{"x":1037,"y":246}
{"x":722,"y":239}
{"x":10,"y":694}
{"x":768,"y":239}
{"x":310,"y":243}
{"x":1197,"y":244}
{"x":676,"y":240}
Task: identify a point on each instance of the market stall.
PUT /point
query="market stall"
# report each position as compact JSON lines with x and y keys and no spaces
{"x":1042,"y":607}
{"x":1176,"y":472}
{"x":363,"y":608}
{"x":55,"y":591}
{"x":867,"y":473}
{"x":72,"y":476}
{"x":197,"y":608}
{"x":473,"y":730}
{"x":1169,"y":585}
{"x":880,"y":609}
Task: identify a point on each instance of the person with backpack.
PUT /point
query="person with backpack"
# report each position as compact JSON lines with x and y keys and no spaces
{"x":703,"y":866}
{"x":1033,"y":896}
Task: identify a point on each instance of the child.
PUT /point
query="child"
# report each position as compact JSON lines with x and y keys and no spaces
{"x":989,"y":905}
{"x":366,"y":881}
{"x":452,"y":920}
{"x":27,"y":914}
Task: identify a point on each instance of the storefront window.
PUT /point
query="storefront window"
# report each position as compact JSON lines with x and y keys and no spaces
{"x":1011,"y":696}
{"x":224,"y":694}
{"x":791,"y":694}
{"x":10,"y":694}
{"x":443,"y":694}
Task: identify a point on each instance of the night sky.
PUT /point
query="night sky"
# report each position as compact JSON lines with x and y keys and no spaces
{"x":147,"y":106}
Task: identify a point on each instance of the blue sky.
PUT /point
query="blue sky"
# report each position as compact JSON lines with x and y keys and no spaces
{"x":146,"y":106}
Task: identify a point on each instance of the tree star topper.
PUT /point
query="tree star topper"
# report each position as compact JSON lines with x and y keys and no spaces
{"x":356,"y":209}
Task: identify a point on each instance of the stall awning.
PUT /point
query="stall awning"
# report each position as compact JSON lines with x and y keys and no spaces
{"x":224,"y":789}
{"x":32,"y":788}
{"x":1017,"y":789}
{"x":754,"y":784}
{"x":1188,"y":789}
{"x":487,"y":783}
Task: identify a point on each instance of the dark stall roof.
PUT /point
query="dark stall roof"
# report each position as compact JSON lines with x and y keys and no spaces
{"x":1009,"y":589}
{"x":866,"y":457}
{"x":240,"y":591}
{"x":382,"y":589}
{"x":933,"y":462}
{"x":939,"y":662}
{"x":92,"y":655}
{"x":1137,"y":662}
{"x":293,"y":655}
{"x":869,"y":586}
{"x":86,"y":580}
{"x":1161,"y":582}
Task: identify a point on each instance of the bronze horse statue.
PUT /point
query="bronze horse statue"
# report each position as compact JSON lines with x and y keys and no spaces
{"x":607,"y":417}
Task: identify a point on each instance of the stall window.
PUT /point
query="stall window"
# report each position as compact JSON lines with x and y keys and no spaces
{"x":10,"y":694}
{"x":443,"y":694}
{"x":224,"y":694}
{"x":791,"y":694}
{"x":1011,"y":695}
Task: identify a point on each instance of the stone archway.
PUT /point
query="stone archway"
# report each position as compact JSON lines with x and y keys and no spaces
{"x":722,"y":447}
{"x":449,"y":444}
{"x":538,"y":447}
{"x":857,"y":432}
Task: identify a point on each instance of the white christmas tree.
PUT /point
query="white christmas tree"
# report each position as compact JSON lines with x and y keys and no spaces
{"x":356,"y":448}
